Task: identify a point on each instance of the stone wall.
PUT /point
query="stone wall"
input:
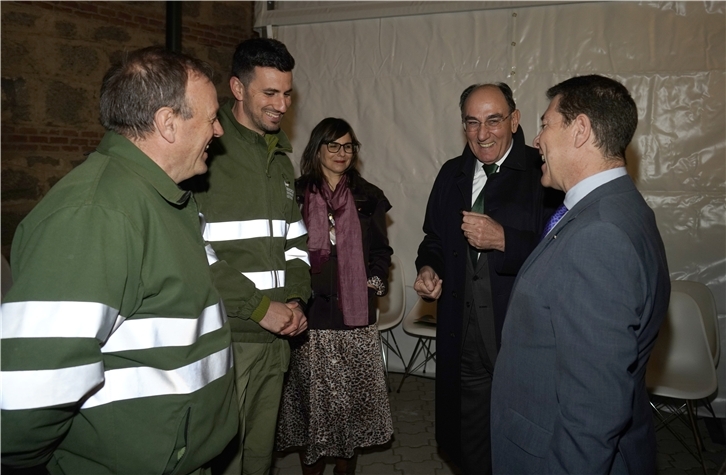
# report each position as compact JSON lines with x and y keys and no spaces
{"x":54,"y":56}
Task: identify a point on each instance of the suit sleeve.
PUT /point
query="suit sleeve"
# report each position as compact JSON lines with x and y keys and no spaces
{"x":73,"y":273}
{"x":595,"y":322}
{"x":430,"y":251}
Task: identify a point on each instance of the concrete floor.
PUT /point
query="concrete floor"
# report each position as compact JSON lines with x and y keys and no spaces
{"x":413,"y":449}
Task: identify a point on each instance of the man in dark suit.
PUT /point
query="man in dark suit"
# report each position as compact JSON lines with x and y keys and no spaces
{"x":469,"y":260}
{"x":569,"y":388}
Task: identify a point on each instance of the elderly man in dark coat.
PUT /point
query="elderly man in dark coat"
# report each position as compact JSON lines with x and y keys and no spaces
{"x":468,"y":260}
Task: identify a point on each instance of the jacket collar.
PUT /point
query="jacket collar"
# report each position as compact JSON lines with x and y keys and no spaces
{"x":227,"y":118}
{"x":129,"y":155}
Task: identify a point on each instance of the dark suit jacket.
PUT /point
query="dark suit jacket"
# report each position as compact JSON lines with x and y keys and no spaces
{"x":568,"y":394}
{"x":514,"y":198}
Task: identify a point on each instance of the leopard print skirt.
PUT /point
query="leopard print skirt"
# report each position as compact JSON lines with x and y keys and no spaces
{"x":335,"y":398}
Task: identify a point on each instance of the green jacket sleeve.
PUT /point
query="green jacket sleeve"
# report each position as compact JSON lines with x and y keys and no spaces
{"x":241,"y":298}
{"x":73,"y":272}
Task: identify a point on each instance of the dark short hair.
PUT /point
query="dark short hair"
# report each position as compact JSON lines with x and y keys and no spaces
{"x":607,"y":103}
{"x":262,"y":52}
{"x":504,"y":87}
{"x":143,"y":82}
{"x":327,"y":130}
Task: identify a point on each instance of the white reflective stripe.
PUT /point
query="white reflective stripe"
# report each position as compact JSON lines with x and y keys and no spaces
{"x":133,"y":383}
{"x":295,"y":253}
{"x":35,"y":319}
{"x":158,"y":332}
{"x":202,"y":223}
{"x":50,"y":387}
{"x":254,"y":228}
{"x":267,"y":279}
{"x":279,"y":227}
{"x":211,"y":255}
{"x":231,"y":230}
{"x":296,"y":230}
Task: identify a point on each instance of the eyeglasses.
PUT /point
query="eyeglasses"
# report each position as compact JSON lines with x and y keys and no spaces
{"x":349,"y":148}
{"x":492,"y":123}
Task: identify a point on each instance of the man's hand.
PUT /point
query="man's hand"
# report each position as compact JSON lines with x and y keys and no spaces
{"x":427,"y":284}
{"x":284,"y":319}
{"x":299,"y":319}
{"x":482,"y":232}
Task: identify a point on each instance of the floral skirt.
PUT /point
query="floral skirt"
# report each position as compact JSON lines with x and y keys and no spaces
{"x":335,"y":398}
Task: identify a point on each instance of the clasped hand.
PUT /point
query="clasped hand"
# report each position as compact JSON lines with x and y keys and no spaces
{"x":284,"y":319}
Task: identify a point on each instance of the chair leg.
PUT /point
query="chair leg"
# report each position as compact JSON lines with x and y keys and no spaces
{"x":663,"y":421}
{"x":407,"y":370}
{"x":394,"y":348}
{"x":423,"y":346}
{"x":696,"y":434}
{"x":384,"y":355}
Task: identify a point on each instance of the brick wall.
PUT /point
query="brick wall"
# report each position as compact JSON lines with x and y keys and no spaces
{"x":54,"y":56}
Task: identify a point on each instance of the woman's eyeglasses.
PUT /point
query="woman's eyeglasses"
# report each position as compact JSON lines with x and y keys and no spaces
{"x":349,"y":148}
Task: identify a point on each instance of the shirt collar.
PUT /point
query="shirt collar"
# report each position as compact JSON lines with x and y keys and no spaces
{"x":586,"y":186}
{"x":479,"y":169}
{"x":122,"y":149}
{"x":227,"y":118}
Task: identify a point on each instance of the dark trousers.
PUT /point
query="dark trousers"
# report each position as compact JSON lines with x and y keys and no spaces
{"x":476,"y":388}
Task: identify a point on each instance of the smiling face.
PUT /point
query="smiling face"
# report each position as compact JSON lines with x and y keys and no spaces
{"x":552,"y":142}
{"x":262,"y":103}
{"x":196,"y":133}
{"x":489,"y":144}
{"x":334,"y":165}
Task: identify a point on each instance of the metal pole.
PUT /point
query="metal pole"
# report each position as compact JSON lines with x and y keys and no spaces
{"x":173,"y":26}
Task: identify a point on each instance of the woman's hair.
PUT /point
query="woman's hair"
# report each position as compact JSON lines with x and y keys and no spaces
{"x":329,"y":129}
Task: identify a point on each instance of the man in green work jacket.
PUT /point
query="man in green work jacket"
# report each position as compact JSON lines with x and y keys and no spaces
{"x":115,"y":346}
{"x":260,"y":263}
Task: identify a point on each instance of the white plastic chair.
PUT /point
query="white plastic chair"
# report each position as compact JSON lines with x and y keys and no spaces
{"x":707,"y":304}
{"x":681,"y":367}
{"x":425,"y":332}
{"x":390,"y":311}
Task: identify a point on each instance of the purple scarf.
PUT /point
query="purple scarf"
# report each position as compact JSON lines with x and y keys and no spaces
{"x":352,"y":282}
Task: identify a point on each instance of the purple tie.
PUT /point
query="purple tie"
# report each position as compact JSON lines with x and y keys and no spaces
{"x":554,"y":219}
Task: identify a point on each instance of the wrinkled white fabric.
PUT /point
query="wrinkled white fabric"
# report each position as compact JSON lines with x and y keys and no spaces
{"x":397,"y":80}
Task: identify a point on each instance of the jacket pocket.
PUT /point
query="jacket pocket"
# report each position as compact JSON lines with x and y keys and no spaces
{"x":527,"y":435}
{"x":180,"y":445}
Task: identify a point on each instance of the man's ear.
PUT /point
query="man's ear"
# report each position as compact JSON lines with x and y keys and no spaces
{"x":237,"y":88}
{"x":581,"y":130}
{"x":515,"y":120}
{"x":165,"y":123}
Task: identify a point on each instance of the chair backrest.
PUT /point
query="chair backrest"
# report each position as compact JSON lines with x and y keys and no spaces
{"x":707,"y":304}
{"x":681,"y":365}
{"x":424,"y":309}
{"x":392,"y":306}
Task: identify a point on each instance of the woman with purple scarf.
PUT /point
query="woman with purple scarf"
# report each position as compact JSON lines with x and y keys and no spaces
{"x":335,"y":398}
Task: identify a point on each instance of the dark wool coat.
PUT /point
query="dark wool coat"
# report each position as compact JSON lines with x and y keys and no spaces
{"x":515,"y":198}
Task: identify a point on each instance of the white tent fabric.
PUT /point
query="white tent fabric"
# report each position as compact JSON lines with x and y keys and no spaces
{"x":395,"y":70}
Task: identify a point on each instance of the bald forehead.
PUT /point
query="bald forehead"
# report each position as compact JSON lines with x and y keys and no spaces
{"x":489,"y":95}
